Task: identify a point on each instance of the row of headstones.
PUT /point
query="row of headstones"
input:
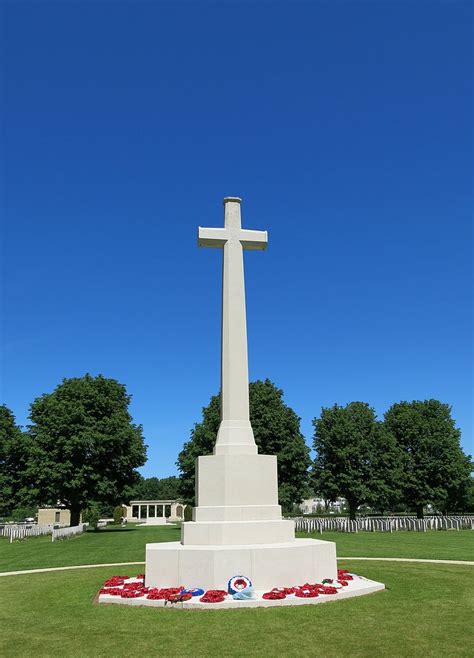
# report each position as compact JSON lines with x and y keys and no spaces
{"x":387,"y":524}
{"x":62,"y":533}
{"x":21,"y":531}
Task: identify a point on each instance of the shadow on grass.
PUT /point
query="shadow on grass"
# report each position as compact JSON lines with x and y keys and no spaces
{"x":101,"y":531}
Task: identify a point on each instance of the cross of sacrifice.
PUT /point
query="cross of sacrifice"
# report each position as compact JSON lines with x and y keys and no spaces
{"x":235,"y":434}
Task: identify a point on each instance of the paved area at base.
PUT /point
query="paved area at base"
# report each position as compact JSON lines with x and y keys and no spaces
{"x":359,"y":586}
{"x":124,"y":564}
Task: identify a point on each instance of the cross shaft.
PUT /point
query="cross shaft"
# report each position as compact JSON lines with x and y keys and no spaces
{"x":235,"y":434}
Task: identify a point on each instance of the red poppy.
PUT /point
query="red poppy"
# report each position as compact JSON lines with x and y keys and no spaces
{"x":274,"y":595}
{"x":307,"y":593}
{"x":213,"y":596}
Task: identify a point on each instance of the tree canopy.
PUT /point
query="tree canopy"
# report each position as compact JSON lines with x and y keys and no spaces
{"x":276,"y":429}
{"x":14,"y":451}
{"x":85,"y":447}
{"x":355,"y":458}
{"x":155,"y":489}
{"x":436,"y":470}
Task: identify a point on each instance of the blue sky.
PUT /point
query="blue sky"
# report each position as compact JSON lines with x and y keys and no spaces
{"x":345,"y":128}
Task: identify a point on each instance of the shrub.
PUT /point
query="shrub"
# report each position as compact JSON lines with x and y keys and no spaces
{"x":118,"y":514}
{"x":91,"y":516}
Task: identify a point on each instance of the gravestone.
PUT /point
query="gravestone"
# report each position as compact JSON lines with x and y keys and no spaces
{"x":237,"y":526}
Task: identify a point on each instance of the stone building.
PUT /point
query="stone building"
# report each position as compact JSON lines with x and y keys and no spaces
{"x":155,"y":512}
{"x":54,"y":516}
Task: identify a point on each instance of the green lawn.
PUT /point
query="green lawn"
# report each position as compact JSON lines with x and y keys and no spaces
{"x":424,"y":612}
{"x":108,"y":545}
{"x":431,"y":545}
{"x":128,"y":545}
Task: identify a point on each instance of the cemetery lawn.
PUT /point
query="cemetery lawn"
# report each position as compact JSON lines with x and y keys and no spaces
{"x":431,"y":545}
{"x":425,"y":611}
{"x":128,"y":545}
{"x":113,"y":544}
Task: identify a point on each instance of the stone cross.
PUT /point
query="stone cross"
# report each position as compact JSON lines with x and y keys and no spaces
{"x":235,"y":434}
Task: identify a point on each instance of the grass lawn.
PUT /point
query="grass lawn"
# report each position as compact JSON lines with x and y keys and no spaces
{"x":431,"y":545}
{"x":424,"y":612}
{"x":108,"y":545}
{"x":128,"y":545}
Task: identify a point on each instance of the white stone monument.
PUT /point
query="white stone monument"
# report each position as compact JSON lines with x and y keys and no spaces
{"x":237,"y":526}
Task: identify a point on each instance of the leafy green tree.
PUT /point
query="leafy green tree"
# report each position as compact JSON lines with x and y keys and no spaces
{"x":119,"y":513}
{"x":276,"y":428}
{"x":155,"y":489}
{"x":14,"y":453}
{"x":435,"y":468}
{"x":469,"y":499}
{"x":85,"y":447}
{"x":91,"y":516}
{"x":355,"y":458}
{"x":19,"y":514}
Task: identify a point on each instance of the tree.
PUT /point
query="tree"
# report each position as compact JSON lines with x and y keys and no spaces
{"x":119,"y":513}
{"x":276,"y":428}
{"x":355,"y":459}
{"x":91,"y":516}
{"x":435,"y":468}
{"x":155,"y":489}
{"x":85,"y":447}
{"x":469,"y":502}
{"x":14,"y":452}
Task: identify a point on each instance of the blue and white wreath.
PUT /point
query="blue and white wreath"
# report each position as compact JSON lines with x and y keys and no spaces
{"x":197,"y":591}
{"x":238,"y":583}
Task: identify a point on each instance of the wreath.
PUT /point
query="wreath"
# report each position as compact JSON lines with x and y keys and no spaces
{"x":238,"y":583}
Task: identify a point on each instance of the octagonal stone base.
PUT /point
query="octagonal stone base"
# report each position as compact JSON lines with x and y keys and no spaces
{"x":173,"y":564}
{"x":359,"y":586}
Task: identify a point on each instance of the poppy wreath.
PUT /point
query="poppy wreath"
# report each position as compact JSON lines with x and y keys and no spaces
{"x":164,"y":593}
{"x":321,"y":589}
{"x":197,"y":591}
{"x":285,"y":590}
{"x":213,"y":596}
{"x":238,"y":583}
{"x":141,"y":576}
{"x":344,"y":583}
{"x":343,"y":574}
{"x":115,"y":581}
{"x":307,"y":593}
{"x":274,"y":595}
{"x":133,"y":593}
{"x":133,"y":585}
{"x":178,"y":598}
{"x":111,"y":591}
{"x":328,"y":589}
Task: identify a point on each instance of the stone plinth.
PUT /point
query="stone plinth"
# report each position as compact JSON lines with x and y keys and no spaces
{"x":232,"y":535}
{"x":227,"y":487}
{"x":267,"y":565}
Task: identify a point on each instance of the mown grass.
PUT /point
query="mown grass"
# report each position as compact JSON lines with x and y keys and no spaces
{"x":104,"y":546}
{"x":430,"y":545}
{"x":128,"y":545}
{"x":425,"y":611}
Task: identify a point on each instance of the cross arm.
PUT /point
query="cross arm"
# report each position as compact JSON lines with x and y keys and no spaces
{"x":253,"y":239}
{"x":212,"y":237}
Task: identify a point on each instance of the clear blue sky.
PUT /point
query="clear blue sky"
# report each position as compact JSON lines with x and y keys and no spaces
{"x":345,"y":128}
